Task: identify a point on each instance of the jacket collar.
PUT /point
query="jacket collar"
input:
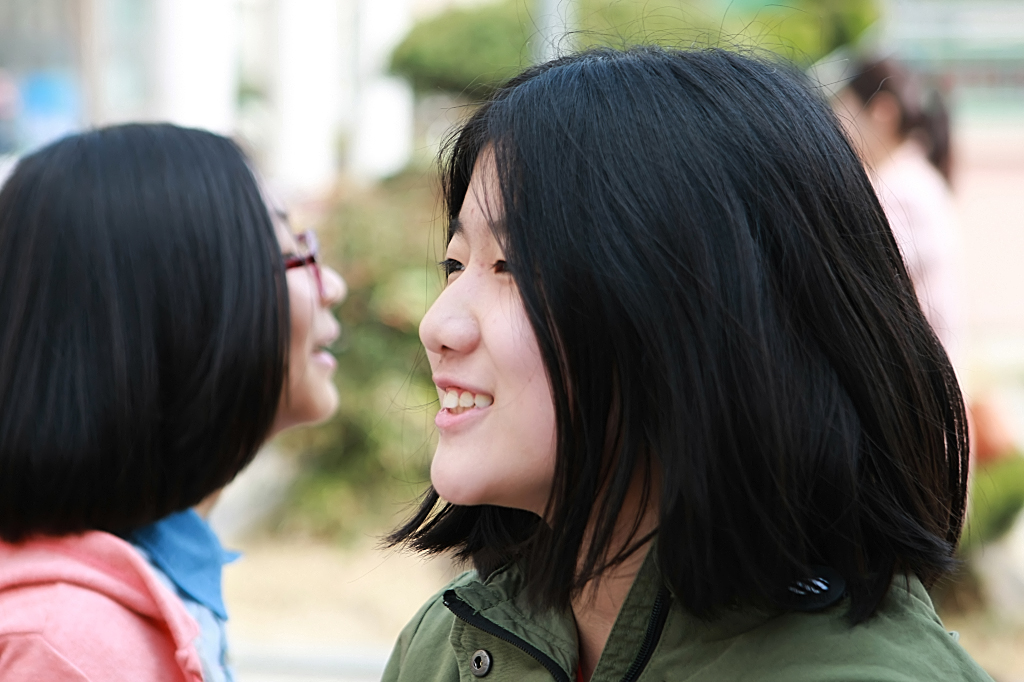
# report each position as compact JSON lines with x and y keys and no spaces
{"x":633,"y":625}
{"x":186,"y":549}
{"x":500,"y":599}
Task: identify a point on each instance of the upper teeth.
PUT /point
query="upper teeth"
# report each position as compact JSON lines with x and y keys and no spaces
{"x":454,"y":398}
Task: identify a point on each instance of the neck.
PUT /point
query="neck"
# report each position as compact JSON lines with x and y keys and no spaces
{"x":600,"y":601}
{"x":598,"y":605}
{"x":206,"y":506}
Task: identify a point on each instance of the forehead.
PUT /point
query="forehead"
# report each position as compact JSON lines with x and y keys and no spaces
{"x":278,"y":217}
{"x":481,"y":214}
{"x":282,"y":229}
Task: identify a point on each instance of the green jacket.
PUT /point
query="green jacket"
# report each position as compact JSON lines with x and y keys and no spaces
{"x":485,"y":625}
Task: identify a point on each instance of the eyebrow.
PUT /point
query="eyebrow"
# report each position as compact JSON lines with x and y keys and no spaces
{"x":454,"y":227}
{"x":281,"y":215}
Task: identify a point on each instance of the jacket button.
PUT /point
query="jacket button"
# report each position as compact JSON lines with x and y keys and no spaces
{"x":480,"y":664}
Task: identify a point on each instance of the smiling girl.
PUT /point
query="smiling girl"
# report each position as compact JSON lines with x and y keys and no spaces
{"x":693,"y":424}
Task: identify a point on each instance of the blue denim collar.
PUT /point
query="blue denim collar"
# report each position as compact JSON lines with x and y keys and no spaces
{"x":187,"y":550}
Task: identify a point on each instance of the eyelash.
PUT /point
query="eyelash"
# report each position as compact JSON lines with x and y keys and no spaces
{"x":450,"y":265}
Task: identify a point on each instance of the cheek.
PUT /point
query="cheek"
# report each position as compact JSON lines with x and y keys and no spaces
{"x":536,"y":432}
{"x":529,"y":387}
{"x":302,"y":310}
{"x":532,"y":432}
{"x":515,"y":345}
{"x":310,"y":394}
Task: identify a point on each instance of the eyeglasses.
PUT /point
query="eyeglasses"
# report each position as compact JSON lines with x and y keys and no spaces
{"x":309,"y":250}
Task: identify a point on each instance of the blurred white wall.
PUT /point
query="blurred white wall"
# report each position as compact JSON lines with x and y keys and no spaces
{"x":116,"y":60}
{"x":382,"y":134}
{"x":555,"y":20}
{"x":161,"y":60}
{"x":331,"y":104}
{"x":306,"y":93}
{"x":196,"y":74}
{"x":302,"y":82}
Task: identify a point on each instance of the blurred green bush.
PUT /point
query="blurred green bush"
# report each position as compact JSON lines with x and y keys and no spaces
{"x":996,"y":499}
{"x":464,"y":50}
{"x":371,"y":460}
{"x":472,"y":50}
{"x":995,"y":502}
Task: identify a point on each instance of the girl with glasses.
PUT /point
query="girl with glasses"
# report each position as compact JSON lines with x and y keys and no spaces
{"x":156,"y":328}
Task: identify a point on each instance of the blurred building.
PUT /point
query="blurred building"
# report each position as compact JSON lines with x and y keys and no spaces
{"x":973,"y":48}
{"x":40,"y":96}
{"x":302,"y":83}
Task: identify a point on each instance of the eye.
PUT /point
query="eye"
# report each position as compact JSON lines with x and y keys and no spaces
{"x":450,"y":266}
{"x":501,"y":266}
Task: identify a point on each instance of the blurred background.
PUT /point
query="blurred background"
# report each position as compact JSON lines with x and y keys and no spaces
{"x":343,"y":104}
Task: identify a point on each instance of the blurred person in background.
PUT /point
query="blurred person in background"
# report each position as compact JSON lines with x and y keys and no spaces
{"x":157,"y":325}
{"x":693,"y":423}
{"x":901,"y":131}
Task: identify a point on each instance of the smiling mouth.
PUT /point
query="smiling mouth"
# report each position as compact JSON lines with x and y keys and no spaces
{"x":457,"y":402}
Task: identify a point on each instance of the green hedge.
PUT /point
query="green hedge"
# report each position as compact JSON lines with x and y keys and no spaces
{"x":996,"y":499}
{"x":464,"y":50}
{"x":473,"y":50}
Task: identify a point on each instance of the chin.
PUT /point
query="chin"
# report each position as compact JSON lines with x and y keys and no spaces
{"x":303,"y":407}
{"x":467,"y":486}
{"x":454,"y":485}
{"x":326,"y":406}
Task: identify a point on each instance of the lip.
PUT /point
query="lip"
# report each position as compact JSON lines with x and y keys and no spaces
{"x":324,"y":357}
{"x":321,"y":355}
{"x":446,"y":382}
{"x":445,"y":420}
{"x":330,"y":337}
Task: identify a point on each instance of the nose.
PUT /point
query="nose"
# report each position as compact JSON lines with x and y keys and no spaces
{"x":450,"y":325}
{"x":335,"y":288}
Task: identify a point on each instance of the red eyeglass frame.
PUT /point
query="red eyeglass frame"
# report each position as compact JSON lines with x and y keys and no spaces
{"x":309,"y":241}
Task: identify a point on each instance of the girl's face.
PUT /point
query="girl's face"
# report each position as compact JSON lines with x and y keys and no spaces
{"x":497,"y":418}
{"x":309,"y":395}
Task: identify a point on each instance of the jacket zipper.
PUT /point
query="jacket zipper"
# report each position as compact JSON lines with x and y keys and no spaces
{"x":655,"y":626}
{"x":465,"y":612}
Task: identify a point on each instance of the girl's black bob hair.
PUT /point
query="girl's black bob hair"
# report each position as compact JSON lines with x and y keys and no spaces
{"x":723,"y":312}
{"x":143,"y":328}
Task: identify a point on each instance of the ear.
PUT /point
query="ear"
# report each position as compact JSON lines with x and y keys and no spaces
{"x":884,"y":111}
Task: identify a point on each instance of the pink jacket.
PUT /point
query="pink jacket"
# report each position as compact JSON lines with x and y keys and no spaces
{"x":88,"y":608}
